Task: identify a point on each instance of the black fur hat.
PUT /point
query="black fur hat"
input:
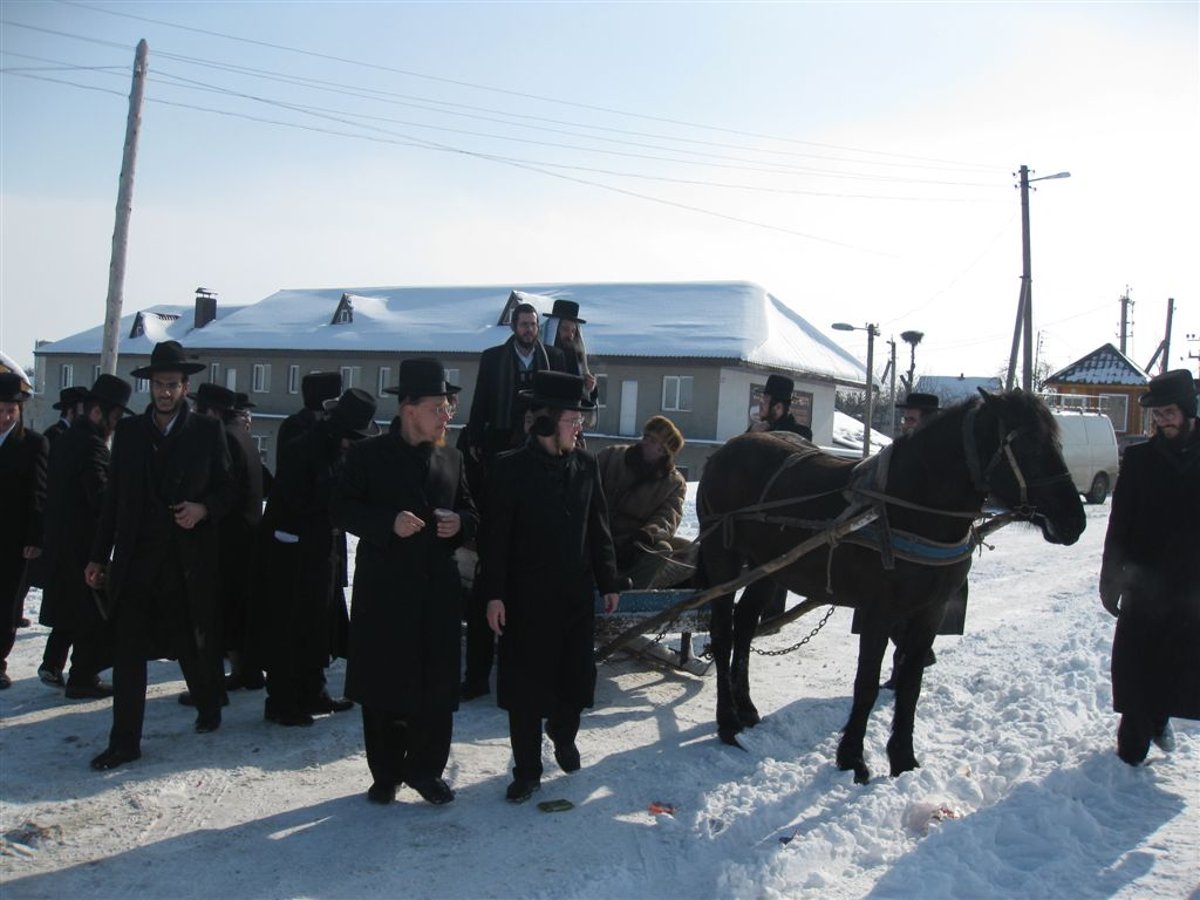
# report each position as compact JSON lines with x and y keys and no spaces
{"x":317,"y":387}
{"x":1176,"y":386}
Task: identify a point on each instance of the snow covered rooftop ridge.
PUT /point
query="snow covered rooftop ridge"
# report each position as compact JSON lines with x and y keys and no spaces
{"x":954,"y":388}
{"x":1104,"y":365}
{"x":733,"y":320}
{"x":140,"y":330}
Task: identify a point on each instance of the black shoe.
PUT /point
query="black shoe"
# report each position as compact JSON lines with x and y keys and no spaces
{"x":208,"y":722}
{"x":930,"y":658}
{"x":185,"y":699}
{"x":381,"y":793}
{"x":522,"y":789}
{"x":326,"y":704}
{"x":469,"y":690}
{"x":1164,"y":738}
{"x":433,"y":790}
{"x":5,"y":681}
{"x":566,"y":754}
{"x":295,"y":718}
{"x":97,"y":690}
{"x":23,"y":622}
{"x":51,"y":676}
{"x":113,"y":757}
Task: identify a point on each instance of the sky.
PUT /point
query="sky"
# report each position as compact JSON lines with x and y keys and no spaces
{"x":857,"y":160}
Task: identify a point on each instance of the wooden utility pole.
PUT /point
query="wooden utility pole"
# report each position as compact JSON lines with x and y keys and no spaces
{"x":1164,"y":346}
{"x":1126,"y":303}
{"x":116,"y":266}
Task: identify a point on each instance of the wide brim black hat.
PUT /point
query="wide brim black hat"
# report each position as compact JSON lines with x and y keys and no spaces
{"x":319,"y":387}
{"x":918,"y":400}
{"x":779,"y":387}
{"x":353,"y":414}
{"x":567,"y":309}
{"x":168,"y":356}
{"x":68,"y":397}
{"x":1176,"y":386}
{"x":422,"y":377}
{"x":12,"y":388}
{"x":214,"y":396}
{"x":557,"y":390}
{"x":110,"y":390}
{"x":242,"y":401}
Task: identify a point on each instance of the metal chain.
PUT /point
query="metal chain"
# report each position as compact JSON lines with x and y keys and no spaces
{"x":800,"y":643}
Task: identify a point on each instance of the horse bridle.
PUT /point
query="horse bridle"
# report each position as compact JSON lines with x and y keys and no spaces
{"x":981,"y":475}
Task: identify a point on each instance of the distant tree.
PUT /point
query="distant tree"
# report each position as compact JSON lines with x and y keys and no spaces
{"x":1041,"y":371}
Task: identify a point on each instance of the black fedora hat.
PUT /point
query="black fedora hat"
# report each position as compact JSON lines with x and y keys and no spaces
{"x":109,"y":390}
{"x":12,"y":388}
{"x":168,"y":356}
{"x":779,"y":387}
{"x":353,"y":414}
{"x":422,"y":377}
{"x":241,"y":400}
{"x":317,"y":387}
{"x":557,"y":390}
{"x":918,"y":400}
{"x":68,"y":397}
{"x":1176,"y":386}
{"x":213,"y":396}
{"x":567,"y":309}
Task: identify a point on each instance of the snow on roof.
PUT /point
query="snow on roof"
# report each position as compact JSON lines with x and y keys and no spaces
{"x":162,"y":322}
{"x":716,"y":320}
{"x":955,"y":388}
{"x":1105,"y":365}
{"x":848,"y":432}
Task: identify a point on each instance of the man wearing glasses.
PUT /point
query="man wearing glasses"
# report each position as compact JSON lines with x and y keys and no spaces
{"x":405,"y":495}
{"x":168,"y":485}
{"x":546,"y":547}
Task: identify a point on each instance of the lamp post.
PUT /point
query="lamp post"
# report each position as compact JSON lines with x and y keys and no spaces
{"x":1023,"y":331}
{"x":872,"y":333}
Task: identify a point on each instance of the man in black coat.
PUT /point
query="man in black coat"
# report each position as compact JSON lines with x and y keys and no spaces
{"x":405,"y":495}
{"x":317,"y":389}
{"x":546,"y":546}
{"x":1150,"y":576}
{"x":23,"y":455}
{"x":168,"y":487}
{"x":78,"y":479}
{"x":70,"y":407}
{"x":305,"y":555}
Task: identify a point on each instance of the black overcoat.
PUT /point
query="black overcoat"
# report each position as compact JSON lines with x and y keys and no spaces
{"x":74,"y":496}
{"x":239,"y":532}
{"x":546,"y":546}
{"x":297,"y":424}
{"x":495,"y":415}
{"x":406,"y":611}
{"x":1152,"y":555}
{"x":148,"y":474}
{"x":22,"y":501}
{"x":306,"y":616}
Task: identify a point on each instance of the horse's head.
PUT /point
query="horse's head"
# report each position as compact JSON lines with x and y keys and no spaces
{"x":1014,"y":455}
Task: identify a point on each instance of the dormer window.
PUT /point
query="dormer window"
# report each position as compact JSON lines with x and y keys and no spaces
{"x":506,"y":314}
{"x":139,"y":327}
{"x":344,"y":314}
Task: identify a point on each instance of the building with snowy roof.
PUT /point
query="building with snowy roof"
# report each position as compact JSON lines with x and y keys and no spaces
{"x":694,"y":352}
{"x":951,"y":389}
{"x":1107,"y":381}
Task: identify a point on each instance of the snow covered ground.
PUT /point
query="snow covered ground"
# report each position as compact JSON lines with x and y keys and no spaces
{"x":1020,"y":793}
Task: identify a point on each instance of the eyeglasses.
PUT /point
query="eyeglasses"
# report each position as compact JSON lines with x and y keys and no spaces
{"x":444,"y":409}
{"x":572,"y":423}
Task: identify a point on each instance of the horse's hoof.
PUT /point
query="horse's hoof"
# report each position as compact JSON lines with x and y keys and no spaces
{"x":899,"y":768}
{"x":749,"y":716}
{"x":862,"y":775}
{"x":729,"y":736}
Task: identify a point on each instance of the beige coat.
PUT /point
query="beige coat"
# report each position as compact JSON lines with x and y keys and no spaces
{"x":653,"y":507}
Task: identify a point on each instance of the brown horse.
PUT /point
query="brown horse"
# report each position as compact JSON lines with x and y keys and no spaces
{"x":762,"y":494}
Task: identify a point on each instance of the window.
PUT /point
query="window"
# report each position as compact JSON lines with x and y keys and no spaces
{"x":677,"y":393}
{"x":260,"y":442}
{"x":95,"y":374}
{"x":452,"y":377}
{"x":260,"y":379}
{"x":66,"y":375}
{"x":601,"y":391}
{"x":351,"y":376}
{"x":293,"y":379}
{"x":385,"y":380}
{"x":1116,"y":407}
{"x":214,"y":373}
{"x":231,"y":379}
{"x":141,"y":385}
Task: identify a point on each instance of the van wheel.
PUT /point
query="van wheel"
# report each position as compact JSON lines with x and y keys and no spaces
{"x":1099,"y":491}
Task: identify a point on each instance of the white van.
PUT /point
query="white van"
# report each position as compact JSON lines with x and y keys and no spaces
{"x":1089,"y":446}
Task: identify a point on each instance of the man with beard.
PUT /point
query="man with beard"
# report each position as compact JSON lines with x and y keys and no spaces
{"x":405,"y":495}
{"x":23,"y":455}
{"x":168,"y":487}
{"x":497,"y":424}
{"x":70,"y":407}
{"x":317,"y":389}
{"x":78,"y":479}
{"x":1150,"y":575}
{"x":306,"y":564}
{"x":775,"y":408}
{"x":546,"y":547}
{"x":645,"y":494}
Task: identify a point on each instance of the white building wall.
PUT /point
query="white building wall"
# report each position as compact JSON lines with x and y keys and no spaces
{"x":734,"y":404}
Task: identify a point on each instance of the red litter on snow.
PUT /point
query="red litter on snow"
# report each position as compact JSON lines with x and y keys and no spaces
{"x":661,"y":809}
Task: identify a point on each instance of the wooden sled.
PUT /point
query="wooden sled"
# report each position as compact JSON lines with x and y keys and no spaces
{"x":640,"y":607}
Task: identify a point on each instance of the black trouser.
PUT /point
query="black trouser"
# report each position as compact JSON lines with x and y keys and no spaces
{"x":481,"y":640}
{"x":296,"y":688}
{"x":92,"y":653}
{"x":525,"y":735}
{"x":12,"y":572}
{"x":406,"y":748}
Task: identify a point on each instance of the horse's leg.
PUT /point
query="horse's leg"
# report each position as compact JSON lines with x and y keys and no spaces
{"x":872,"y":643}
{"x":717,"y":565}
{"x":745,"y":622}
{"x":916,"y":640}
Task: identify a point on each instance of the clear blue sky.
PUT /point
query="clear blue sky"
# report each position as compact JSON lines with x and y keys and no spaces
{"x":855,"y":159}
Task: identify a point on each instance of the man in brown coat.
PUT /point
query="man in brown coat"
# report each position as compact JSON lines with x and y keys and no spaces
{"x":645,"y":494}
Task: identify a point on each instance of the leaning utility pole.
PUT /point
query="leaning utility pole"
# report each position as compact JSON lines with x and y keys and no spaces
{"x":116,"y":266}
{"x":1164,"y":346}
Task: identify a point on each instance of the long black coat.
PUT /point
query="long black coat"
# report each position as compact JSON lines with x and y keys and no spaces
{"x":495,"y":416}
{"x":239,"y":532}
{"x":298,"y":423}
{"x":75,"y":494}
{"x":306,"y":616}
{"x":406,"y":615}
{"x":22,"y":499}
{"x":1152,"y":555}
{"x":546,"y":547}
{"x":148,"y":474}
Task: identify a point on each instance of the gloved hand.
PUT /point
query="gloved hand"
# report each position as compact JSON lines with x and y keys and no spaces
{"x":1110,"y":596}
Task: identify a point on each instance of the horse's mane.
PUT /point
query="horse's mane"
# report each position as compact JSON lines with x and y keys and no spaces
{"x":1017,"y":408}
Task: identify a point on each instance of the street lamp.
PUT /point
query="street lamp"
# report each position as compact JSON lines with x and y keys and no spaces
{"x":872,"y":333}
{"x":1024,"y":326}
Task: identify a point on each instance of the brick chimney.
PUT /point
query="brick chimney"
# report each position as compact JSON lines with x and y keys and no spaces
{"x":206,"y":307}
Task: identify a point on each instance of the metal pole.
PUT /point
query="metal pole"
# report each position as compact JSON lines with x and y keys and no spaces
{"x":1027,"y":283}
{"x":116,"y":267}
{"x":1166,"y":360}
{"x":1016,"y":342}
{"x":871,"y":331}
{"x":892,"y":392}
